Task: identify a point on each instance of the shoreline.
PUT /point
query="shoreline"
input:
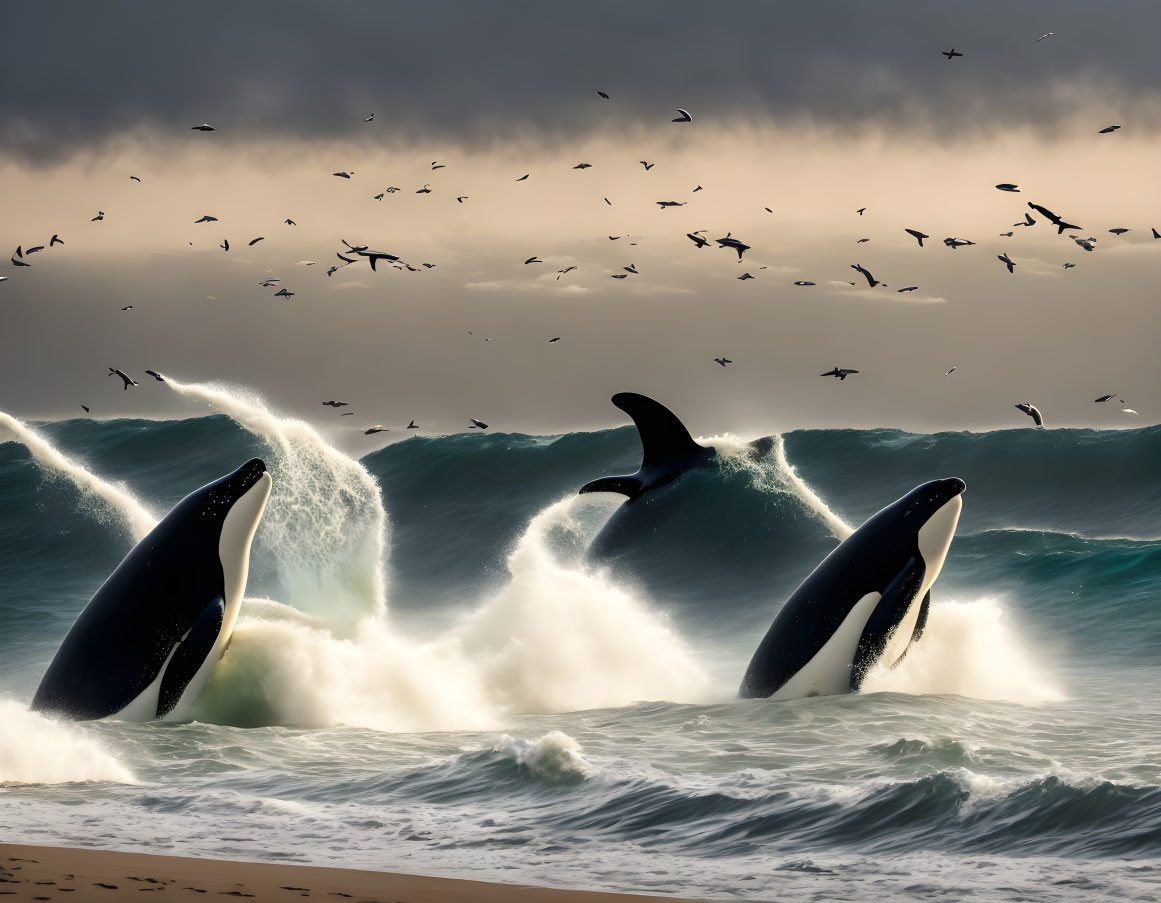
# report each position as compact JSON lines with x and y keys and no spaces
{"x":82,"y":874}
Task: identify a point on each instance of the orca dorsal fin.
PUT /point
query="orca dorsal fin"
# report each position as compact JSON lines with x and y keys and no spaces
{"x":667,"y":448}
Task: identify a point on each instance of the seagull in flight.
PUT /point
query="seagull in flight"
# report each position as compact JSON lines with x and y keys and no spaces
{"x":604,"y":95}
{"x":204,"y":127}
{"x":648,"y":166}
{"x":1032,"y":411}
{"x":284,"y":293}
{"x":290,"y":222}
{"x":533,"y":259}
{"x":1059,"y":223}
{"x":1104,"y":398}
{"x":336,"y":404}
{"x":745,"y":276}
{"x":369,"y":118}
{"x":664,"y":204}
{"x":55,"y":240}
{"x":1007,"y":261}
{"x":954,"y":243}
{"x":871,"y":280}
{"x":376,"y":429}
{"x":343,"y":175}
{"x":157,"y":376}
{"x":477,"y":424}
{"x":734,"y":243}
{"x":1008,"y":186}
{"x":1108,"y":130}
{"x":1046,"y":34}
{"x":722,"y":360}
{"x":206,"y":219}
{"x":909,"y":288}
{"x":951,"y":54}
{"x":583,"y":166}
{"x":917,"y":235}
{"x":255,"y":241}
{"x":128,"y":380}
{"x":683,"y":116}
{"x":697,"y":239}
{"x":100,"y":216}
{"x":839,"y":373}
{"x":1028,"y":221}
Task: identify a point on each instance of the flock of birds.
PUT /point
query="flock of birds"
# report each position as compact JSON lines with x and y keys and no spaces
{"x":350,"y":254}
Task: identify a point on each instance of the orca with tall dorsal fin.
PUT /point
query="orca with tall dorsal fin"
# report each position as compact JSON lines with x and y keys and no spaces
{"x":667,"y":449}
{"x":145,"y":645}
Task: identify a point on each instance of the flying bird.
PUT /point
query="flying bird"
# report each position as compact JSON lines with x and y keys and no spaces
{"x":461,"y":199}
{"x":435,"y":164}
{"x":1007,"y":261}
{"x":284,"y":293}
{"x":426,"y":189}
{"x":342,"y":175}
{"x":745,"y":276}
{"x":369,"y":118}
{"x":583,"y":166}
{"x":697,"y":239}
{"x":100,"y":216}
{"x":127,"y":307}
{"x":664,"y":204}
{"x":871,"y":280}
{"x":1068,"y":266}
{"x":648,"y":166}
{"x":949,"y":372}
{"x":803,"y":282}
{"x":135,"y":179}
{"x":839,"y":373}
{"x":533,"y":260}
{"x":554,"y":340}
{"x":128,"y":380}
{"x":376,"y":429}
{"x":560,"y":273}
{"x":290,"y":222}
{"x":1047,"y":34}
{"x":477,"y":424}
{"x":1156,"y":234}
{"x":413,"y":425}
{"x":1130,"y":411}
{"x":954,"y":243}
{"x":862,"y":241}
{"x":86,"y":408}
{"x":204,"y":127}
{"x":951,"y":54}
{"x":55,"y":240}
{"x":683,"y":116}
{"x":206,"y":219}
{"x":157,"y":376}
{"x":1108,"y":130}
{"x":607,"y":201}
{"x":860,"y":211}
{"x":1007,"y":234}
{"x":34,"y":249}
{"x":1120,"y":231}
{"x":336,"y":404}
{"x":16,"y":261}
{"x":1007,"y":186}
{"x":523,"y":177}
{"x":727,"y":242}
{"x":604,"y":95}
{"x":255,"y":241}
{"x":1032,"y":411}
{"x":225,"y":245}
{"x":1104,"y":398}
{"x":1028,"y":221}
{"x":909,"y":288}
{"x":722,"y":360}
{"x":917,"y":235}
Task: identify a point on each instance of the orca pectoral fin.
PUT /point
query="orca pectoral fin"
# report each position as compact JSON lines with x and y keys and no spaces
{"x":190,"y":654}
{"x":921,"y":621}
{"x":885,"y":619}
{"x":629,"y":486}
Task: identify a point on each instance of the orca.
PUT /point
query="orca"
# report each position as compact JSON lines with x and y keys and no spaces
{"x":653,"y":510}
{"x":144,"y":646}
{"x":866,"y":603}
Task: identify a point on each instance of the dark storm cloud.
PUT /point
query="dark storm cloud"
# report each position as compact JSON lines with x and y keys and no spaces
{"x":74,"y":74}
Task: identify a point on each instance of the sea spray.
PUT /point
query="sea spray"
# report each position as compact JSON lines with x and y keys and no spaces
{"x":111,"y":497}
{"x":556,"y":638}
{"x":968,"y":649}
{"x":37,"y":750}
{"x":774,"y":473}
{"x":556,"y":756}
{"x":562,"y":638}
{"x":325,"y":528}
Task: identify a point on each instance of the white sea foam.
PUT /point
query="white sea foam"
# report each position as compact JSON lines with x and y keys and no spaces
{"x":555,"y":755}
{"x":37,"y":750}
{"x":969,"y":649}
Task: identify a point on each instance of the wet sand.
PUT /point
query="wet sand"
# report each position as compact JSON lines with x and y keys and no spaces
{"x":66,"y":874}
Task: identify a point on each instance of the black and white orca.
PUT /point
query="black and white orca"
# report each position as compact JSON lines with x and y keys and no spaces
{"x":866,"y":603}
{"x":144,"y":646}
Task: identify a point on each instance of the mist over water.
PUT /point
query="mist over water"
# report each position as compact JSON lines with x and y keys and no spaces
{"x":471,"y":659}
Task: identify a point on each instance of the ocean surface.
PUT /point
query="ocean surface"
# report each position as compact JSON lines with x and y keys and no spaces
{"x":430,"y":674}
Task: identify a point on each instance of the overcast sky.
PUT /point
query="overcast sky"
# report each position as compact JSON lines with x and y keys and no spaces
{"x":811,"y":109}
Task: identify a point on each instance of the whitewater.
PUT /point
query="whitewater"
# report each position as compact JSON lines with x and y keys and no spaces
{"x":429,"y":674}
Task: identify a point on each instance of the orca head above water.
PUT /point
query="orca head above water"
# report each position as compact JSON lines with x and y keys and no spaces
{"x":144,"y":646}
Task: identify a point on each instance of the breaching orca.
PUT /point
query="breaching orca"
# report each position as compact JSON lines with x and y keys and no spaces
{"x":144,"y":646}
{"x":865,"y":603}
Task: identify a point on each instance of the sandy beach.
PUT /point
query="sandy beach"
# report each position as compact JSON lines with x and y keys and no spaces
{"x":63,"y":873}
